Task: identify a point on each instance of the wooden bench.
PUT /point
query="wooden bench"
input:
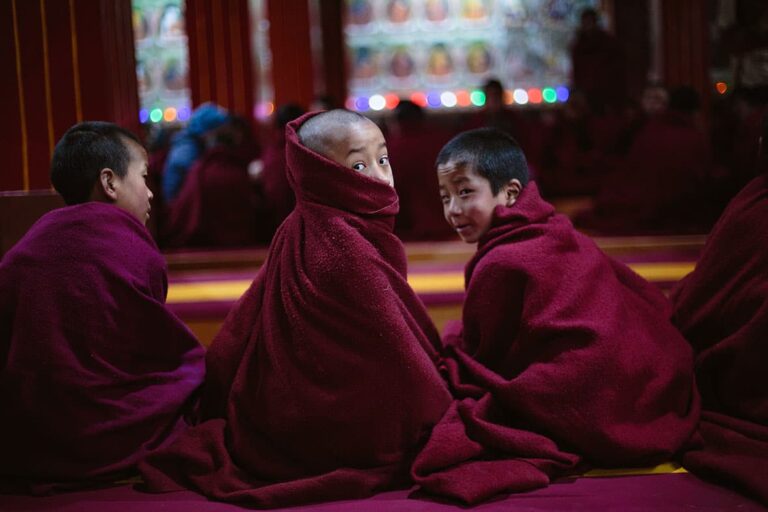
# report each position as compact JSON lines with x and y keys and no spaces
{"x":20,"y":209}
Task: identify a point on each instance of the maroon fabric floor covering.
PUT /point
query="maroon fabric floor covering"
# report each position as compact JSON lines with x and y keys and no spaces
{"x":670,"y":492}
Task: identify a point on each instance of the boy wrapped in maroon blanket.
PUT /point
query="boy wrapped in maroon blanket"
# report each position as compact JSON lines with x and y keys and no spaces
{"x":95,"y":371}
{"x":565,"y":358}
{"x":322,"y":383}
{"x":722,"y":309}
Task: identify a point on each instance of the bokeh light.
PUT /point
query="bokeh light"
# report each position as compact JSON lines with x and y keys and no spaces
{"x":549,"y":95}
{"x":377,"y":102}
{"x":562,"y":93}
{"x":521,"y":96}
{"x":169,"y":115}
{"x":156,"y":115}
{"x":448,"y":99}
{"x":477,"y":98}
{"x":433,"y":100}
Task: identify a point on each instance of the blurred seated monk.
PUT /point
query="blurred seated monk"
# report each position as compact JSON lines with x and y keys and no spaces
{"x":95,"y":371}
{"x":202,"y":132}
{"x":413,"y":147}
{"x":322,"y":383}
{"x":496,"y":114}
{"x":662,"y":185}
{"x":564,"y":358}
{"x":218,"y":205}
{"x":597,"y":62}
{"x":722,"y":309}
{"x":278,"y":196}
{"x":576,"y":148}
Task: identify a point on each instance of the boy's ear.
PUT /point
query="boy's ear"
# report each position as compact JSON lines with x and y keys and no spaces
{"x":108,"y":183}
{"x":512,"y":190}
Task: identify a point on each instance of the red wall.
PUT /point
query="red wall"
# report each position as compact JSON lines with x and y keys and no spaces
{"x":63,"y":61}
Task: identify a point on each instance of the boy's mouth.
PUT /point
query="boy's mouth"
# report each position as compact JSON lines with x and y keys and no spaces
{"x":461,"y":227}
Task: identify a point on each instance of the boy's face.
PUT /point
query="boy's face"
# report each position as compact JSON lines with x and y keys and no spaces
{"x":468,"y":201}
{"x":131,"y":191}
{"x":363,"y":149}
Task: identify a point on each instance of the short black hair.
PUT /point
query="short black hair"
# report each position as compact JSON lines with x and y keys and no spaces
{"x":81,"y":154}
{"x":492,"y":153}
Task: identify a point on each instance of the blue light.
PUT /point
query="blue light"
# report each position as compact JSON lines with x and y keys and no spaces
{"x":562,"y":93}
{"x":183,"y":114}
{"x":433,"y":99}
{"x":143,"y":115}
{"x":361,"y":104}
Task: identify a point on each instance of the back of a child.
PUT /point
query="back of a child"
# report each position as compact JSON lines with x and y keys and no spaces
{"x":95,"y":371}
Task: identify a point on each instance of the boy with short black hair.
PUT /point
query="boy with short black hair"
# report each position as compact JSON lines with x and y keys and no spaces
{"x":564,"y":357}
{"x":322,"y":383}
{"x":95,"y":371}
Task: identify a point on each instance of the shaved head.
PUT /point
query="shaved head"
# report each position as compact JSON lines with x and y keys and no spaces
{"x":324,"y":132}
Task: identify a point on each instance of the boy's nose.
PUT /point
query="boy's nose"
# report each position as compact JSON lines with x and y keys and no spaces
{"x":383,"y":174}
{"x":453,"y":207}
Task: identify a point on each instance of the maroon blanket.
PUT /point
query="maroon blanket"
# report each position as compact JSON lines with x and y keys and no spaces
{"x":722,"y":308}
{"x":95,"y":371}
{"x":323,"y":383}
{"x":565,"y":356}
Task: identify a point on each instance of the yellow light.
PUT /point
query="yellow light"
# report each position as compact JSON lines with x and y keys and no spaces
{"x":169,"y":114}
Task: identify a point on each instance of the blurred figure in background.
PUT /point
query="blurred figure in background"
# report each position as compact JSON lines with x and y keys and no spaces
{"x":278,"y":195}
{"x":597,"y":63}
{"x":661,"y":185}
{"x":200,"y":134}
{"x":217,"y":205}
{"x":413,"y":146}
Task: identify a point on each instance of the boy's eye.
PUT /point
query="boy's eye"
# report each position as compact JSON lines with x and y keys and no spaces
{"x":465,"y":191}
{"x":384,"y":160}
{"x":359,"y":166}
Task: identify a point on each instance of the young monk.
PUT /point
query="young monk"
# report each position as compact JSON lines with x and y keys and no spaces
{"x":95,"y":371}
{"x":322,"y":383}
{"x":564,"y":357}
{"x":722,"y":309}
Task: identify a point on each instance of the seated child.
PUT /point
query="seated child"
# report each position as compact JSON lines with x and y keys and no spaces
{"x":722,"y":309}
{"x":322,"y":382}
{"x":564,"y":357}
{"x":95,"y":371}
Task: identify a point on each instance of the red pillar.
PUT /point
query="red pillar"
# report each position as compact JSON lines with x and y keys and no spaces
{"x":220,"y":64}
{"x":289,"y":35}
{"x":333,"y":51}
{"x":685,"y":46}
{"x":63,"y":61}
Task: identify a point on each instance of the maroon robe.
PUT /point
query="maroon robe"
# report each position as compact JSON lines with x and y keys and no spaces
{"x":95,"y":371}
{"x":412,"y":154}
{"x":216,"y":206}
{"x":323,"y":381}
{"x":278,"y":196}
{"x":660,"y":186}
{"x":722,"y":308}
{"x":564,"y":356}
